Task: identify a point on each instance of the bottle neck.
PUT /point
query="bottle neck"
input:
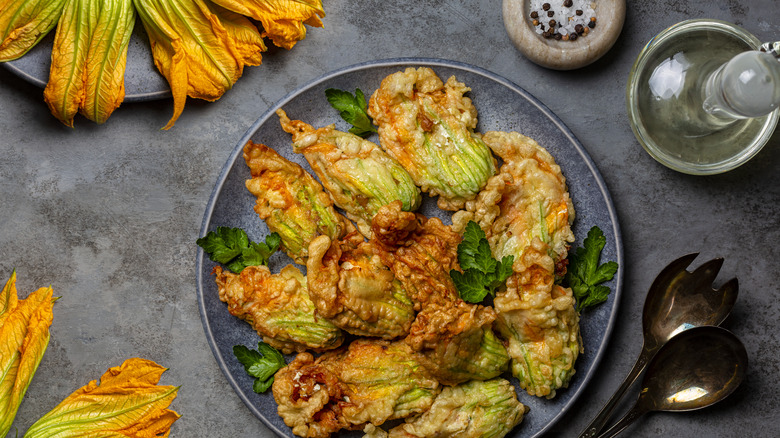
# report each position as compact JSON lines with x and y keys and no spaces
{"x":747,"y":86}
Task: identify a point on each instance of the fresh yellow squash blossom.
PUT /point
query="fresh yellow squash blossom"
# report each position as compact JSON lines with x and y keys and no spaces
{"x":126,"y":403}
{"x":23,"y":23}
{"x":201,"y":48}
{"x":24,"y":336}
{"x":88,"y":59}
{"x":283,"y":20}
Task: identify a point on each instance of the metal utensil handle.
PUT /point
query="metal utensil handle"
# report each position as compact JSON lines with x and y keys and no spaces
{"x":635,"y":412}
{"x":771,"y":48}
{"x":597,"y":424}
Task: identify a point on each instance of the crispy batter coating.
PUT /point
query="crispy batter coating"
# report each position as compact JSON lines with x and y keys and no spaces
{"x":476,"y":409}
{"x":420,"y":251}
{"x":290,"y":201}
{"x":370,"y":381}
{"x":428,"y":126}
{"x":457,"y":342}
{"x":278,"y":307}
{"x":527,"y":199}
{"x":538,"y":319}
{"x":358,"y":175}
{"x":351,"y":286}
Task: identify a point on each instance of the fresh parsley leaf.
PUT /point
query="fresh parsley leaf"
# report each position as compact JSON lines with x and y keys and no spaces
{"x":482,"y":274}
{"x":259,"y":253}
{"x":585,"y":275}
{"x":468,"y":247}
{"x":353,"y":110}
{"x":261,"y":364}
{"x":232,"y":248}
{"x":470,"y":284}
{"x":224,"y":244}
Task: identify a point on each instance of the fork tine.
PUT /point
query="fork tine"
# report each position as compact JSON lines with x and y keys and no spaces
{"x":673,"y":270}
{"x":729,"y":292}
{"x":678,"y":265}
{"x":707,"y":272}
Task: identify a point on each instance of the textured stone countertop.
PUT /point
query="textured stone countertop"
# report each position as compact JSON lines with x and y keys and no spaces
{"x":108,"y":215}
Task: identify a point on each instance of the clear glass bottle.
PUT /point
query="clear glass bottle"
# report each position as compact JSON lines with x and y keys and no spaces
{"x":701,"y":98}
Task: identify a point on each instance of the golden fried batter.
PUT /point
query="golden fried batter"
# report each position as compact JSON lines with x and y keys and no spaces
{"x":527,"y":199}
{"x":420,"y":251}
{"x":369,"y":382}
{"x":476,"y":409}
{"x":350,"y":286}
{"x":457,"y":343}
{"x":358,"y":175}
{"x":278,"y":307}
{"x":290,"y":201}
{"x":428,"y":126}
{"x":538,"y":319}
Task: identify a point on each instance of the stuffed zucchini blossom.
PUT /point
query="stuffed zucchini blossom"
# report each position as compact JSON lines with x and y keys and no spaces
{"x":359,"y":176}
{"x":428,"y":126}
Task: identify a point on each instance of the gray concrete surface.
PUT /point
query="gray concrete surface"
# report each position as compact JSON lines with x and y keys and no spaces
{"x":108,"y":215}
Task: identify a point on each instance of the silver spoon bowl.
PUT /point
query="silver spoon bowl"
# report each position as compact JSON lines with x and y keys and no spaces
{"x":695,"y":369}
{"x":677,"y":301}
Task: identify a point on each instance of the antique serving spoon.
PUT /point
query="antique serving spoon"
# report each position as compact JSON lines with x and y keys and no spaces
{"x":695,"y":369}
{"x":677,"y":300}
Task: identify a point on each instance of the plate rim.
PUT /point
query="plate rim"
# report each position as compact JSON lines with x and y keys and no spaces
{"x":400,"y":62}
{"x":137,"y":97}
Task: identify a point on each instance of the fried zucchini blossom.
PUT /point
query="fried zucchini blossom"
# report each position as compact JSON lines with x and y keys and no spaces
{"x":24,"y":336}
{"x":278,"y":307}
{"x":88,"y":59}
{"x":291,"y":202}
{"x":201,"y":48}
{"x":23,"y":23}
{"x":476,"y":409}
{"x":368,"y":382}
{"x":359,"y":176}
{"x":428,"y":126}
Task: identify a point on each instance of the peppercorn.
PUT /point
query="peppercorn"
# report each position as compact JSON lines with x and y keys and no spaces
{"x":534,"y":14}
{"x":535,"y":22}
{"x":578,"y":12}
{"x":592,"y":23}
{"x":578,"y":28}
{"x":553,"y":23}
{"x":558,"y":36}
{"x":567,"y":3}
{"x":550,"y":13}
{"x":572,"y":36}
{"x":546,"y":6}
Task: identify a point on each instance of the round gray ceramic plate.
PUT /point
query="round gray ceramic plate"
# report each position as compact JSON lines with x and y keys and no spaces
{"x":142,"y":80}
{"x":501,"y":106}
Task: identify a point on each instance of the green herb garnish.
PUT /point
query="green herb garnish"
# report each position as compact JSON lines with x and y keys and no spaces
{"x":232,"y":248}
{"x":584,"y":274}
{"x":261,"y":364}
{"x":482,"y":274}
{"x":353,"y":110}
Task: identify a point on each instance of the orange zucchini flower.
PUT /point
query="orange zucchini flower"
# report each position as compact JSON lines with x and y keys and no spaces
{"x":126,"y":403}
{"x":201,"y":48}
{"x":88,"y":59}
{"x":23,"y":23}
{"x":283,"y":20}
{"x":24,"y":336}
